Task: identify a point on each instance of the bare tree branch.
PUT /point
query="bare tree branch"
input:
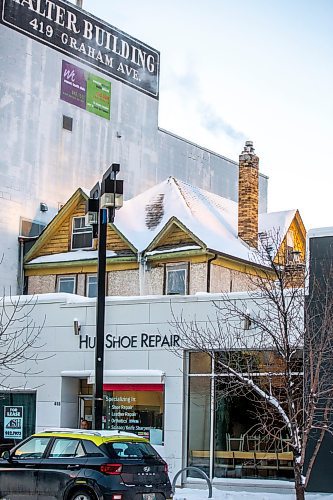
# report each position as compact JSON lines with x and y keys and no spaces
{"x":20,"y":342}
{"x":273,"y":345}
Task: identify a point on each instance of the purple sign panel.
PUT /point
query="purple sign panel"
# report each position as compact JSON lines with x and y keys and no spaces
{"x":73,"y":85}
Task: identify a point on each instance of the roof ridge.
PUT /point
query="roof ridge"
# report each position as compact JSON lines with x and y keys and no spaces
{"x":279,"y":211}
{"x":176,"y":181}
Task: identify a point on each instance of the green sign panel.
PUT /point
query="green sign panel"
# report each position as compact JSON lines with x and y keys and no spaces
{"x":98,"y":96}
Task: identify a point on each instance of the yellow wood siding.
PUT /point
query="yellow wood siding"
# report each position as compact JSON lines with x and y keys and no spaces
{"x":58,"y":243}
{"x":175,"y":236}
{"x":246,"y":269}
{"x":61,"y":241}
{"x":114,"y":241}
{"x":77,"y":269}
{"x":297,"y":231}
{"x":228,"y":263}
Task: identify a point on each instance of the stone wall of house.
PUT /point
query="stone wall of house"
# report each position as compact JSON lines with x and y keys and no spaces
{"x":241,"y":282}
{"x":81,"y":284}
{"x":153,"y":283}
{"x":228,"y":280}
{"x":41,"y":284}
{"x":220,"y":279}
{"x":198,"y":278}
{"x":123,"y":283}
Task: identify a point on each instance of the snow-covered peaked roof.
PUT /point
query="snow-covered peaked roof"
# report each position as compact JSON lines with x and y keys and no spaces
{"x":211,"y":218}
{"x":276,"y":223}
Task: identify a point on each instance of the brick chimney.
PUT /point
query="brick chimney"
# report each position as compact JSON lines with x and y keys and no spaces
{"x":248,"y":197}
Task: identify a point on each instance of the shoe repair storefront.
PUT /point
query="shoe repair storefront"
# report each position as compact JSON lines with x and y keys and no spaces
{"x":135,"y":406}
{"x":150,"y":386}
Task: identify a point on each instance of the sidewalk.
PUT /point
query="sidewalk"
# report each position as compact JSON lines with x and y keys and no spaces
{"x":201,"y":494}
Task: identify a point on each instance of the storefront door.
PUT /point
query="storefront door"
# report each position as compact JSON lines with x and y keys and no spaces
{"x":85,"y":409}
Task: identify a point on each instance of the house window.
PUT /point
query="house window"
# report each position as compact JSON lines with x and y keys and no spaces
{"x":81,"y":234}
{"x":31,"y":228}
{"x":176,"y":279}
{"x":91,"y":286}
{"x":290,"y":247}
{"x":66,"y":284}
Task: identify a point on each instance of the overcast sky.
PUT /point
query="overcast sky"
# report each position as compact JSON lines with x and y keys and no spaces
{"x":233,"y":70}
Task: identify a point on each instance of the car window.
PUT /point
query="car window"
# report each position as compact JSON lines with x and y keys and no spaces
{"x":130,"y":450}
{"x":91,"y":449}
{"x":34,"y":448}
{"x":66,"y":448}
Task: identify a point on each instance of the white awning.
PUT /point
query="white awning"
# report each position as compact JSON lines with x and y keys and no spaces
{"x":119,"y":376}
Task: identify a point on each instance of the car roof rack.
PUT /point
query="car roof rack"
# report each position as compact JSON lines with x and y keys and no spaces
{"x":101,"y":433}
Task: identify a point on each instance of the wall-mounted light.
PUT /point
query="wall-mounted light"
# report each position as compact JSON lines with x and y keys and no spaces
{"x":77,"y":327}
{"x":91,"y":217}
{"x":43,"y":207}
{"x":247,"y":322}
{"x":295,"y":256}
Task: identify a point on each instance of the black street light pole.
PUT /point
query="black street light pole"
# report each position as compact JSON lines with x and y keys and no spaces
{"x":100,"y":319}
{"x":101,"y":207}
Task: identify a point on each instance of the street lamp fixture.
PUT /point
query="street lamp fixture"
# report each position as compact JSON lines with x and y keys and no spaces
{"x":91,"y":217}
{"x":104,"y":200}
{"x":111,"y":190}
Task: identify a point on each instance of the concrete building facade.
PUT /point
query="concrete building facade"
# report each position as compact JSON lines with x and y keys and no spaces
{"x":152,"y":385}
{"x":52,"y":142}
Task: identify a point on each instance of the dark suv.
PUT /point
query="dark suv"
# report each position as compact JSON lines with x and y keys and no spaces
{"x":84,"y":465}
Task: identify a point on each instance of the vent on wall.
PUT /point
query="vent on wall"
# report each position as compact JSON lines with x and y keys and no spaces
{"x":67,"y":123}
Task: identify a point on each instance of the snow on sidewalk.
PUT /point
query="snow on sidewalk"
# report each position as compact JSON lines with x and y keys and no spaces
{"x":196,"y":494}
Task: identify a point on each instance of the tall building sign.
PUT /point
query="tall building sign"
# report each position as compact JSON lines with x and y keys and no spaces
{"x":74,"y":32}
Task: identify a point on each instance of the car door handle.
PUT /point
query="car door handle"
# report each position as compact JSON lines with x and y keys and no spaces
{"x":30,"y":466}
{"x":74,"y":466}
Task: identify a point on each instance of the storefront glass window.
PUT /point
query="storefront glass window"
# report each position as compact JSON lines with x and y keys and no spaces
{"x":135,"y":408}
{"x":200,"y":362}
{"x":226,"y":430}
{"x":199,"y":423}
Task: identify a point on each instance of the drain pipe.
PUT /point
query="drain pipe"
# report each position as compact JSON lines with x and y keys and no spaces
{"x":20,"y":274}
{"x":142,"y":260}
{"x":21,"y":266}
{"x":209,"y":272}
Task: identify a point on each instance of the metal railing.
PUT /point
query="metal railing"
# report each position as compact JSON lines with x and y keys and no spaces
{"x":199,"y":471}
